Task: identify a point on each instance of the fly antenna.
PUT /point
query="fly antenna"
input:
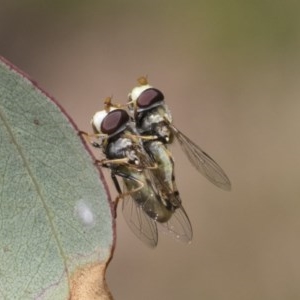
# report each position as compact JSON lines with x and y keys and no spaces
{"x":143,"y":80}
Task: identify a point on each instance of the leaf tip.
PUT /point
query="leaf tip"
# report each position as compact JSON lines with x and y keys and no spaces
{"x":88,"y":282}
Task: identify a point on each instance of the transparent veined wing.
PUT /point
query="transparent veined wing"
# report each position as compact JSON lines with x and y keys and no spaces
{"x":202,"y":161}
{"x":178,"y":227}
{"x":138,"y":221}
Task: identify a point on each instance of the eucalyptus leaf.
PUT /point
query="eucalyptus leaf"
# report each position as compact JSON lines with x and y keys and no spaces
{"x":56,"y":224}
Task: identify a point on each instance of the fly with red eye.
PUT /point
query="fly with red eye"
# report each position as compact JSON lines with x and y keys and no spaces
{"x":132,"y":170}
{"x":152,"y":117}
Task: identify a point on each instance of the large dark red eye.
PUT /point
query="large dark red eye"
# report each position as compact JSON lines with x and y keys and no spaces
{"x":149,"y":97}
{"x":114,"y":121}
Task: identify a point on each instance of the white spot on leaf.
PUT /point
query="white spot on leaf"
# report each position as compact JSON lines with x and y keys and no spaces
{"x":84,"y":213}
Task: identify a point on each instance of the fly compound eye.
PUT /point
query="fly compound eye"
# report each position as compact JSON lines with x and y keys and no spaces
{"x":114,"y":121}
{"x":149,"y":98}
{"x":137,"y":91}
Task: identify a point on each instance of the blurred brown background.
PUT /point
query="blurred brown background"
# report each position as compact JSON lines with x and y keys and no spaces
{"x":230,"y":73}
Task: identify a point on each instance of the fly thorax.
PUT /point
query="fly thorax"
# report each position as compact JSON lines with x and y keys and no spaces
{"x":150,"y":120}
{"x":156,"y":122}
{"x":118,"y":148}
{"x":123,"y":143}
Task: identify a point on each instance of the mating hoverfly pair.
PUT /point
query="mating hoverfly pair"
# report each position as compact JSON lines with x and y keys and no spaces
{"x":135,"y":146}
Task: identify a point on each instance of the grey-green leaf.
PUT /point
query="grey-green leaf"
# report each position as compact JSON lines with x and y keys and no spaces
{"x":55,"y":215}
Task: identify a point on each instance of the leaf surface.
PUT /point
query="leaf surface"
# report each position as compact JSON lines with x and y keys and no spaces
{"x":56,"y":225}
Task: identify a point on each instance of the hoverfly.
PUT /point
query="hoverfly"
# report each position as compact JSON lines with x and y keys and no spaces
{"x":144,"y":205}
{"x":152,"y":117}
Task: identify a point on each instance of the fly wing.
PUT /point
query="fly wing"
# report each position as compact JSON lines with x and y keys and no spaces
{"x":178,"y":227}
{"x":202,"y":161}
{"x":139,"y":222}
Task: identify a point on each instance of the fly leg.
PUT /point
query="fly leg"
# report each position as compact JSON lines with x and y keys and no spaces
{"x":116,"y":161}
{"x":108,"y":104}
{"x":109,"y":163}
{"x":142,"y":137}
{"x":88,"y":137}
